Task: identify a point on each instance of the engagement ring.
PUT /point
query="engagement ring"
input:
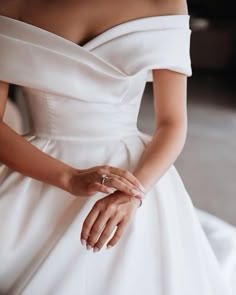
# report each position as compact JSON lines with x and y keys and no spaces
{"x":104,"y":177}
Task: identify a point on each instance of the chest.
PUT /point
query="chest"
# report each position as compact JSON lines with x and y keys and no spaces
{"x":81,"y":21}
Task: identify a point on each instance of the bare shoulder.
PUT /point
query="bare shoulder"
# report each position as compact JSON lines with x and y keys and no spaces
{"x":11,"y":8}
{"x":166,"y":7}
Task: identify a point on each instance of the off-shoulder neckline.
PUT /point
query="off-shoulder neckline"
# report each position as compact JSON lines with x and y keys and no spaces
{"x":132,"y":22}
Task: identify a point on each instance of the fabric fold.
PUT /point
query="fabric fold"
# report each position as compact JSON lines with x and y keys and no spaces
{"x":146,"y":44}
{"x":83,"y":102}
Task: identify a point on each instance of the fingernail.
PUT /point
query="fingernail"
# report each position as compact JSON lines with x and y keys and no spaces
{"x":83,"y":242}
{"x":88,"y":247}
{"x":142,"y":188}
{"x":111,"y":190}
{"x":96,"y":249}
{"x":134,"y":191}
{"x":109,"y":246}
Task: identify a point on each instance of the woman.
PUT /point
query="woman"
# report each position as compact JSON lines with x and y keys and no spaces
{"x":80,"y":176}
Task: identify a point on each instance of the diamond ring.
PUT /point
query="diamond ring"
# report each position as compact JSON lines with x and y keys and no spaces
{"x":104,"y":177}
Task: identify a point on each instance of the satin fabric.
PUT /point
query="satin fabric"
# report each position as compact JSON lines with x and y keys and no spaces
{"x":84,"y":103}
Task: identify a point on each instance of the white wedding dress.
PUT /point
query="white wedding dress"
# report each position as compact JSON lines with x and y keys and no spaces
{"x":84,"y":102}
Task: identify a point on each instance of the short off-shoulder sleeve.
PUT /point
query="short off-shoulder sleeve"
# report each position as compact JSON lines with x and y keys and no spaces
{"x":161,"y":42}
{"x":35,"y":58}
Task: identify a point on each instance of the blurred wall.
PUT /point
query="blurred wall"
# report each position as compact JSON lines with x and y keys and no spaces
{"x":213,"y":25}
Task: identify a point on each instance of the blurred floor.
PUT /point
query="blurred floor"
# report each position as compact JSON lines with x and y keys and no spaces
{"x":207,"y":163}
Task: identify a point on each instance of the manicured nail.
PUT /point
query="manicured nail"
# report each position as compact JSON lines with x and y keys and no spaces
{"x":88,"y":247}
{"x":142,"y":188}
{"x":83,"y":242}
{"x":134,"y":191}
{"x":96,"y":249}
{"x":111,"y":190}
{"x":109,"y":246}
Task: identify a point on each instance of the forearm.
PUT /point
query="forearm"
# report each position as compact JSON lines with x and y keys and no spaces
{"x":161,"y":152}
{"x":23,"y":157}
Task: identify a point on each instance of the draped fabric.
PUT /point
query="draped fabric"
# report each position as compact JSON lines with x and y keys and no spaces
{"x":84,"y":103}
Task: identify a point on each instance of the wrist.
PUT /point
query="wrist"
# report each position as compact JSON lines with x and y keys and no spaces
{"x":139,"y":200}
{"x":144,"y":179}
{"x":66,"y":178}
{"x":121,"y":197}
{"x":136,"y":201}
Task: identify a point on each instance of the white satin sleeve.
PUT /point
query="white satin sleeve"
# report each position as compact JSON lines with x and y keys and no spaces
{"x":33,"y":57}
{"x":144,"y":45}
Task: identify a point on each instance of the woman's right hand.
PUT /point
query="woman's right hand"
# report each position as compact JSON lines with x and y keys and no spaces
{"x":87,"y":182}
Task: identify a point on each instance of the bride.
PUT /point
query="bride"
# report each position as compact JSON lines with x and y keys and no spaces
{"x":85,"y":177}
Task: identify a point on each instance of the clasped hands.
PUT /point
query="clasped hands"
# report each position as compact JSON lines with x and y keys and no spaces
{"x":114,"y":210}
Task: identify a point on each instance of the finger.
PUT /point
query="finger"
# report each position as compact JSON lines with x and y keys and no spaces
{"x":98,"y":187}
{"x":88,"y":223}
{"x":106,"y":233}
{"x":121,"y":178}
{"x":118,"y":233}
{"x":106,"y":169}
{"x":97,"y":228}
{"x":127,"y":183}
{"x":114,"y":183}
{"x":105,"y":187}
{"x":121,"y":186}
{"x":127,"y":175}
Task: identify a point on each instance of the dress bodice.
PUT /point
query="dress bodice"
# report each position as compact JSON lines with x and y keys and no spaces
{"x":78,"y":96}
{"x":102,"y":81}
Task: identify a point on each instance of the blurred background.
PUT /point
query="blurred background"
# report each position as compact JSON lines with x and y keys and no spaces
{"x":207,"y":163}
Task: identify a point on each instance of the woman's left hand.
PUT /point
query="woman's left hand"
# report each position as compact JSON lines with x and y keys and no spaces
{"x":116,"y":209}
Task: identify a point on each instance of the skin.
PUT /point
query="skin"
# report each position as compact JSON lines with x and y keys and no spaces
{"x":116,"y":210}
